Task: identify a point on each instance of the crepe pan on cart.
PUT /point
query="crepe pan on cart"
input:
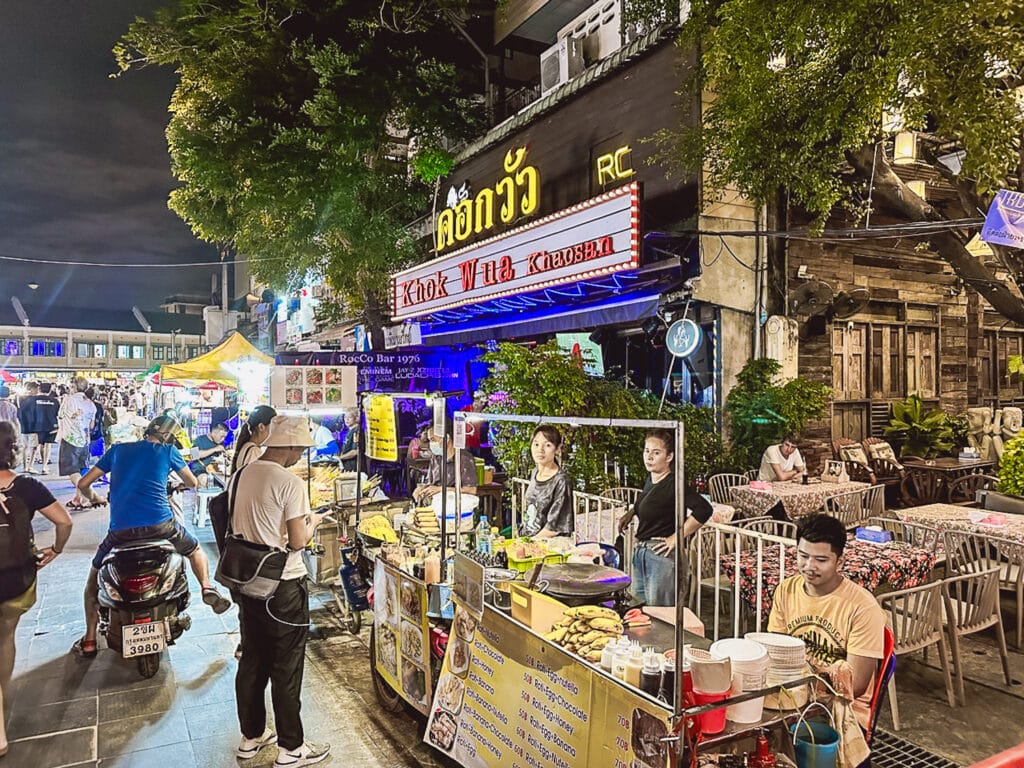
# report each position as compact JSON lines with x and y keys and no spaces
{"x":584,"y":583}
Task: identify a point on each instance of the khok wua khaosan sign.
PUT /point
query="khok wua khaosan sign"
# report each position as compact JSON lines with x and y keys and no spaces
{"x":597,"y":237}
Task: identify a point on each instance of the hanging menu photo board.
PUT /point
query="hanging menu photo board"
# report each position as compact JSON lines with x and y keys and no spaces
{"x":313,"y":387}
{"x":401,"y":634}
{"x":506,"y":698}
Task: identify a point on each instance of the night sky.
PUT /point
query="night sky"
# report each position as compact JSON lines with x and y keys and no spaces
{"x":84,"y":171}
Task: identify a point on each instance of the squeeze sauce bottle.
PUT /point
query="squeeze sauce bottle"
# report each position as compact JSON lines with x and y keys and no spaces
{"x":634,"y":665}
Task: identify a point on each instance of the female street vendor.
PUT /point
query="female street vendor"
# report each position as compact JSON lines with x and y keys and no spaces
{"x":654,"y":575}
{"x":446,"y":464}
{"x":548,"y":499}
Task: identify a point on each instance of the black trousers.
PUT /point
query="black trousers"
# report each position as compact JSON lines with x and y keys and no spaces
{"x":274,"y":652}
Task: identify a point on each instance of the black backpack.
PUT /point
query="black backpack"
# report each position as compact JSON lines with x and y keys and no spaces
{"x":17,"y":547}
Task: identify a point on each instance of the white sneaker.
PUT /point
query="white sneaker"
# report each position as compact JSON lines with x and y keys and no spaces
{"x":307,"y":754}
{"x":248,"y":748}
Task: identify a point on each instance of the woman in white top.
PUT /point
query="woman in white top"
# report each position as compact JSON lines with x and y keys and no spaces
{"x":252,"y":436}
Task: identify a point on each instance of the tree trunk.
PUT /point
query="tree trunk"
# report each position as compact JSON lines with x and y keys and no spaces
{"x":890,"y":193}
{"x":374,"y":316}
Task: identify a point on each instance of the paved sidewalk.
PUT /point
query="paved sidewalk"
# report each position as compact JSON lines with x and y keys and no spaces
{"x":66,"y":711}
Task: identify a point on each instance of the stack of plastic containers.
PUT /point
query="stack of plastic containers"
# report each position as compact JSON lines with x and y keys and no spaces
{"x":712,"y":683}
{"x":788,"y":656}
{"x":750,"y":664}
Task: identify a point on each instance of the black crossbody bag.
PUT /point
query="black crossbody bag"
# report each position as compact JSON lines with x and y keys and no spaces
{"x":251,"y":569}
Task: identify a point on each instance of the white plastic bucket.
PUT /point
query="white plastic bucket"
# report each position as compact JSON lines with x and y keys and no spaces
{"x":750,"y":662}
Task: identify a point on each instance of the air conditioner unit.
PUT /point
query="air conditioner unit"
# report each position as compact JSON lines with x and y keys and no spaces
{"x":599,"y":27}
{"x":560,"y":63}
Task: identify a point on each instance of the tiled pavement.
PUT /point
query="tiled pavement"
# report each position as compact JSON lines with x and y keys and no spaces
{"x":66,"y":711}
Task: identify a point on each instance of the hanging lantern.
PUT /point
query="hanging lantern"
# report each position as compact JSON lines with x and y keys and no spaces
{"x":905,"y":149}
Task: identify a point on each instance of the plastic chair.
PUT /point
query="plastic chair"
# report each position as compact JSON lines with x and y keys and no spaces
{"x":964,"y":490}
{"x":971,"y":605}
{"x":974,"y":552}
{"x":886,"y":670}
{"x":855,"y":507}
{"x":720,"y":485}
{"x":753,"y":474}
{"x":783,"y":528}
{"x":915,"y":623}
{"x":915,"y":534}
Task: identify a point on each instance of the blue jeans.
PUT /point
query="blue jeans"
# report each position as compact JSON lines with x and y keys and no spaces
{"x":184,"y":543}
{"x":654,"y":576}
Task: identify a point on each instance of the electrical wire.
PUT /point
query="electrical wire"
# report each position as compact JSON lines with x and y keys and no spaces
{"x":122,"y":265}
{"x":886,"y":231}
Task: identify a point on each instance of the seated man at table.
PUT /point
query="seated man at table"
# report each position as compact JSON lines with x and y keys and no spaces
{"x":781,"y":462}
{"x":204,"y":449}
{"x":445,"y":468}
{"x":841,"y":623}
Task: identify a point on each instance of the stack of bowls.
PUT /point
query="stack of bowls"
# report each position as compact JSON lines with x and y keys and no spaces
{"x":788,"y":656}
{"x":750,"y":664}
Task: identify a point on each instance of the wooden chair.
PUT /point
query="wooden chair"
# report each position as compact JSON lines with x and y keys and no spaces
{"x":719,"y":486}
{"x":915,"y":617}
{"x":914,"y":534}
{"x":920,"y":487}
{"x":857,"y":469}
{"x":854,"y":507}
{"x":782,"y":528}
{"x":975,"y":552}
{"x":887,"y":470}
{"x":964,"y":490}
{"x":971,"y":603}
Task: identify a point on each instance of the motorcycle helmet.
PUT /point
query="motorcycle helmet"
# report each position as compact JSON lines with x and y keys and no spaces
{"x":164,"y":428}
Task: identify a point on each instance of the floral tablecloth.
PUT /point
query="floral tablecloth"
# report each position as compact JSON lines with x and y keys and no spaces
{"x":797,"y":498}
{"x":895,"y":566}
{"x":946,"y":517}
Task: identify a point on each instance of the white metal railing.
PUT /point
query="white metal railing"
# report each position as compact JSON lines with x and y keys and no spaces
{"x":710,"y":544}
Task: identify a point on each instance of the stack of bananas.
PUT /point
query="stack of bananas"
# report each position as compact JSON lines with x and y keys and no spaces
{"x":378,"y":527}
{"x":586,"y":630}
{"x":426,"y":520}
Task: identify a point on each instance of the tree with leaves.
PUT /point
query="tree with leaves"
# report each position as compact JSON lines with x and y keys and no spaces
{"x":806,"y":95}
{"x":289,"y":124}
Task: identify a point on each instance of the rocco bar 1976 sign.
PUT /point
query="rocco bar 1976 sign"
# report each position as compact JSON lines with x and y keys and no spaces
{"x":597,"y":237}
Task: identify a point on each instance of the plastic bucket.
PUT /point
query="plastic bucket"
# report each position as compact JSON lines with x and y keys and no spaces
{"x":714,"y":721}
{"x":817,"y":745}
{"x":747,"y":711}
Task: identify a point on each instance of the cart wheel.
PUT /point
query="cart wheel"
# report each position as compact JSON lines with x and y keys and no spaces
{"x":387,"y":697}
{"x":149,"y":665}
{"x":354,"y":621}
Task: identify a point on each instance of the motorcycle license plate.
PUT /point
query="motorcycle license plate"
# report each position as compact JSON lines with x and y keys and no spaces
{"x":142,"y":639}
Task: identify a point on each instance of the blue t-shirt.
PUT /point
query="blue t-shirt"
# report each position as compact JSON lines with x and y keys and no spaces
{"x":138,"y":482}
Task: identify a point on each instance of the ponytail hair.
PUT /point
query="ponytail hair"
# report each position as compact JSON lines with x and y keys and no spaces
{"x":261,"y":414}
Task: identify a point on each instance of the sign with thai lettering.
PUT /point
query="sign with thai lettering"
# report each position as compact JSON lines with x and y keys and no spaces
{"x":596,"y":237}
{"x":506,"y":697}
{"x":515,"y":195}
{"x":382,"y":437}
{"x":1004,"y":224}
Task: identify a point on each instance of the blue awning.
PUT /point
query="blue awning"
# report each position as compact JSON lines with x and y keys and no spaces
{"x":614,"y":310}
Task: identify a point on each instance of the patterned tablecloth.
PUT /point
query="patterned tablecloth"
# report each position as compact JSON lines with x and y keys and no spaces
{"x":952,"y":517}
{"x":895,"y":566}
{"x":797,"y":498}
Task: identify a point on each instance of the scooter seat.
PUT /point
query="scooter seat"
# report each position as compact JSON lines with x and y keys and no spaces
{"x":143,"y":544}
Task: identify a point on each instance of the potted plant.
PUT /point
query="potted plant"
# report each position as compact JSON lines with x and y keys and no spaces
{"x":922,"y":431}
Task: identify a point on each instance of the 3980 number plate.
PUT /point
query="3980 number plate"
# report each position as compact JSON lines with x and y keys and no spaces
{"x":142,"y":639}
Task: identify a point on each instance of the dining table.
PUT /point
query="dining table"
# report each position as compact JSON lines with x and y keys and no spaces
{"x":946,"y":517}
{"x":949,"y":467}
{"x":876,"y":567}
{"x":798,"y":499}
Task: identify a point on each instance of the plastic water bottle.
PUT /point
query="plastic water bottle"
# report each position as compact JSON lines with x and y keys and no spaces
{"x":483,"y":530}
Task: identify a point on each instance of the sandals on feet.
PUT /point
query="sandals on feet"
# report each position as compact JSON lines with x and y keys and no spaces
{"x":215,"y":600}
{"x":75,"y":506}
{"x":83,"y":648}
{"x":100,"y":502}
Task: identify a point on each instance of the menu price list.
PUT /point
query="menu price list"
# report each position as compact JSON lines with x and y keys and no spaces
{"x":508,"y":698}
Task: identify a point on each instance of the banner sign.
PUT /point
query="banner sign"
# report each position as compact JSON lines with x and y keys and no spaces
{"x":402,"y":335}
{"x":396,"y":371}
{"x":1004,"y":224}
{"x":382,"y":428}
{"x":683,"y":337}
{"x":313,"y":387}
{"x":402,"y":634}
{"x":596,"y":237}
{"x":508,"y":698}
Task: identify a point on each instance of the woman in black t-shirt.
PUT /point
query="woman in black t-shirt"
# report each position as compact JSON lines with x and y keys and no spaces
{"x":20,"y":498}
{"x":654,"y":572}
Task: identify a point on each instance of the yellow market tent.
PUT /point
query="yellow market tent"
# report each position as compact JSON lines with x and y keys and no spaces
{"x":220,"y":364}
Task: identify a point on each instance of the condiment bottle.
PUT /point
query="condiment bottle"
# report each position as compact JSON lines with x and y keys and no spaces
{"x":619,"y":659}
{"x":650,"y":675}
{"x":606,"y":656}
{"x":668,"y":680}
{"x":634,"y":665}
{"x":432,"y":568}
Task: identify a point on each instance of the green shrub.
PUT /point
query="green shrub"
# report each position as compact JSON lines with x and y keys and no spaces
{"x":923,"y":432}
{"x":1011,"y":467}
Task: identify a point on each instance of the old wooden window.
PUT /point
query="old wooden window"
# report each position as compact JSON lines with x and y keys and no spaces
{"x":887,"y":361}
{"x":849,"y":369}
{"x":922,"y":362}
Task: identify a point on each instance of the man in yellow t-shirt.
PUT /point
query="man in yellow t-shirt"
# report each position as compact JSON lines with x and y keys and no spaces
{"x":839,"y":620}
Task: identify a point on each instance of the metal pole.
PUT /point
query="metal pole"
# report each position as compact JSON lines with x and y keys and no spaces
{"x":682,"y":568}
{"x":444,"y":493}
{"x":359,"y":461}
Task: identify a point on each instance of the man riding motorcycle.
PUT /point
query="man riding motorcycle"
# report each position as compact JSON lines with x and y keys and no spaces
{"x":139,"y":510}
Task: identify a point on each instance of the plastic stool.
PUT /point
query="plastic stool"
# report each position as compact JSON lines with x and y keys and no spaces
{"x":202,"y":515}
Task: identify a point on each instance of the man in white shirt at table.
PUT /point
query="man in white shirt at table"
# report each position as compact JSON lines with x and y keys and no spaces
{"x":781,"y":462}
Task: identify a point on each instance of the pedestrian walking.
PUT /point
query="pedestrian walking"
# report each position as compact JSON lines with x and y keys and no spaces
{"x":270,"y":506}
{"x":8,"y":410}
{"x":20,"y":498}
{"x":74,"y":424}
{"x":44,"y":419}
{"x":27,"y":420}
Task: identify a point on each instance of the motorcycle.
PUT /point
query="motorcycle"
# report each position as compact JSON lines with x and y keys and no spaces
{"x":143,"y":596}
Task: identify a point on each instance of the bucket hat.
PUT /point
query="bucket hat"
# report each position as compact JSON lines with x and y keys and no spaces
{"x":290,"y":432}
